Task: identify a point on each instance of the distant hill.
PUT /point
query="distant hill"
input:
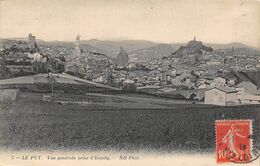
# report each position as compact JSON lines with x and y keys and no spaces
{"x":128,"y":45}
{"x":228,"y":45}
{"x":145,"y":50}
{"x":242,"y":51}
{"x":6,"y":41}
{"x":157,"y":51}
{"x":140,"y":49}
{"x":239,"y":48}
{"x":21,"y":39}
{"x":83,"y":46}
{"x":112,"y":47}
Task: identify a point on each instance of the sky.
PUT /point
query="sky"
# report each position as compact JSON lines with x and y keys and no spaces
{"x":168,"y":21}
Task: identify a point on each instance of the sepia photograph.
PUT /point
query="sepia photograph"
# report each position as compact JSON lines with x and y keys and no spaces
{"x":129,"y":82}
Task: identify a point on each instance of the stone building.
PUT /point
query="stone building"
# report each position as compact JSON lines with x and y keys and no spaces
{"x":221,"y":96}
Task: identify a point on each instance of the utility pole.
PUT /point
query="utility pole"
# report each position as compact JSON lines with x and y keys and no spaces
{"x":37,"y":67}
{"x":52,"y":87}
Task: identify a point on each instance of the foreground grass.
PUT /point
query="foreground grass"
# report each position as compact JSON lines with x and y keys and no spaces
{"x":33,"y":124}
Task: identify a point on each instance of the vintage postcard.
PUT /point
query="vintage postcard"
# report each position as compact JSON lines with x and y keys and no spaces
{"x":129,"y":82}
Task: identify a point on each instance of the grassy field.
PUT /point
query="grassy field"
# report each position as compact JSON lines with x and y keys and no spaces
{"x":115,"y":122}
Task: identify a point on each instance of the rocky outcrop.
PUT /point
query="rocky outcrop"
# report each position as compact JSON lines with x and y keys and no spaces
{"x":193,"y":48}
{"x":122,"y":58}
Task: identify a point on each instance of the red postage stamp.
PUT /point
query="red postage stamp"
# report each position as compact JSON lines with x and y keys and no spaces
{"x":233,"y":140}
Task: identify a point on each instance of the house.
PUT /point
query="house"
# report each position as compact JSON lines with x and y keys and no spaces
{"x":249,"y":87}
{"x":218,"y":81}
{"x":245,"y":98}
{"x":132,"y":66}
{"x":231,"y":81}
{"x":203,"y":86}
{"x":221,"y":96}
{"x":129,"y":85}
{"x":35,"y":56}
{"x":214,"y":61}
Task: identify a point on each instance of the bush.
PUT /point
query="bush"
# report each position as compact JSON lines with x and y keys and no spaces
{"x":5,"y":104}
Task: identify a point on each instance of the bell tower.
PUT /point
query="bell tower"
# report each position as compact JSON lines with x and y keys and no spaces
{"x":77,"y":47}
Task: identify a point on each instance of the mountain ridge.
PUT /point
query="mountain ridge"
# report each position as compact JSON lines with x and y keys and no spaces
{"x":139,"y":49}
{"x":213,"y":45}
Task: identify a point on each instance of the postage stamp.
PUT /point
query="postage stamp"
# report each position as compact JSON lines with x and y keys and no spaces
{"x":233,"y":140}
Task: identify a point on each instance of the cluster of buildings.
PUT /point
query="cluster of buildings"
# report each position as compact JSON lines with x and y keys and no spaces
{"x":245,"y":92}
{"x":30,"y":45}
{"x":193,"y":68}
{"x":19,"y":58}
{"x":89,"y":65}
{"x":200,"y":68}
